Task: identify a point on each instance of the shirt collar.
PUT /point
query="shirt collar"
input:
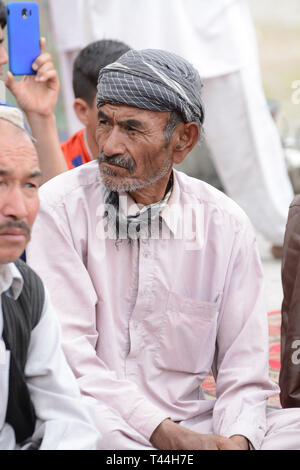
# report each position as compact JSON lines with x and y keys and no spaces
{"x":11,"y":280}
{"x":172,"y":213}
{"x":184,"y":216}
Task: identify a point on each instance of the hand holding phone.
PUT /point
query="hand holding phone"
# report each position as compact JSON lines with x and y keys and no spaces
{"x":36,"y":94}
{"x":23,"y":31}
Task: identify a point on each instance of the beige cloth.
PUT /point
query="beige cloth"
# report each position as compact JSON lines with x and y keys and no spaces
{"x":13,"y":115}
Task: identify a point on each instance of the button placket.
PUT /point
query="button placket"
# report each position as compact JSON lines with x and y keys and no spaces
{"x":143,"y":303}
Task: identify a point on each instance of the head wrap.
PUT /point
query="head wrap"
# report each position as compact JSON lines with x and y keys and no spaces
{"x":155,"y":80}
{"x":14,"y":116}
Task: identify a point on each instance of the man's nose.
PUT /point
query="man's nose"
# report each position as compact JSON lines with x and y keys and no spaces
{"x":14,"y":204}
{"x":113,"y":143}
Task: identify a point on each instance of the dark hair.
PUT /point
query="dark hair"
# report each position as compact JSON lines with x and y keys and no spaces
{"x":2,"y":15}
{"x":88,"y":64}
{"x":175,"y":118}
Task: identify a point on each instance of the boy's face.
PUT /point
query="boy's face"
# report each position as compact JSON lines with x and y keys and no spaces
{"x":19,"y":183}
{"x":3,"y":53}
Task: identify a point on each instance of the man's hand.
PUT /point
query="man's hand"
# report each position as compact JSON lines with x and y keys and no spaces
{"x":171,"y":436}
{"x":37,"y":94}
{"x":241,"y":441}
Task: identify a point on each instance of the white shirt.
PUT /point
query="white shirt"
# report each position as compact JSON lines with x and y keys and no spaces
{"x":63,"y":419}
{"x":143,"y":323}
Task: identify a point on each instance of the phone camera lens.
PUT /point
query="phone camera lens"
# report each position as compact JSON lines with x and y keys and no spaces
{"x":24,"y":13}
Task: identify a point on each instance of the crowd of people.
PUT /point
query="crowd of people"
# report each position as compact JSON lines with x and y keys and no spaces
{"x":138,"y":280}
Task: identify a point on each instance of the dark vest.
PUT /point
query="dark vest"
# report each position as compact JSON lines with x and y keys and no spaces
{"x":19,"y":318}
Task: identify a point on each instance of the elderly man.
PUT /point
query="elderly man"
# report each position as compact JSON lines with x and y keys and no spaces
{"x":159,"y":278}
{"x":41,"y":406}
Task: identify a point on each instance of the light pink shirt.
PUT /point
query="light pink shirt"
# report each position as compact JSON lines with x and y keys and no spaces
{"x":144,"y":323}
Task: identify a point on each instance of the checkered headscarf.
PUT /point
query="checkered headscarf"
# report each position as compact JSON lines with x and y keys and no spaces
{"x":155,"y":80}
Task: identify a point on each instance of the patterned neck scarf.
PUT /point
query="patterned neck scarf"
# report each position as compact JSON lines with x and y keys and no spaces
{"x":136,"y":226}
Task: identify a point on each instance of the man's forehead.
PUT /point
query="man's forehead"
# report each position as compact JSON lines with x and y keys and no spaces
{"x":19,"y":164}
{"x":130,"y":112}
{"x":15,"y":141}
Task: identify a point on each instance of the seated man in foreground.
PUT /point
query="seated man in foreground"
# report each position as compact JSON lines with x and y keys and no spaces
{"x":289,"y":378}
{"x":41,"y":406}
{"x":161,"y":274}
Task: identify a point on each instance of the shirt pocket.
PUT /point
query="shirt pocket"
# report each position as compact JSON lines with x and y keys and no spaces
{"x":187,"y":336}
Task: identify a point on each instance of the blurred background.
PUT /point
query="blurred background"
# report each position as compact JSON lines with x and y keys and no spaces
{"x":277,"y":26}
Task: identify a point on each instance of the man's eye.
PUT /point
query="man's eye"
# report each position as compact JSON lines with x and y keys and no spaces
{"x":131,"y":130}
{"x":102,"y":122}
{"x":31,"y":185}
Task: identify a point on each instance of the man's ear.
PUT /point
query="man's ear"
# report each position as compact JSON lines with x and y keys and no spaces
{"x":81,"y":109}
{"x":185,"y":138}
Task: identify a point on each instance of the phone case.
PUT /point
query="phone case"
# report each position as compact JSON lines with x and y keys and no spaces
{"x":23,"y":31}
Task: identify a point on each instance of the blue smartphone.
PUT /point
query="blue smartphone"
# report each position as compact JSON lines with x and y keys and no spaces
{"x":23,"y":32}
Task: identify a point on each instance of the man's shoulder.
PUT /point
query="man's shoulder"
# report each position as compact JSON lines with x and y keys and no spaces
{"x":209,"y":196}
{"x":29,"y":276}
{"x":57,"y":189}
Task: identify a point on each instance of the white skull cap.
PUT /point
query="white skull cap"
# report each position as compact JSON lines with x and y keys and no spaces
{"x":13,"y":115}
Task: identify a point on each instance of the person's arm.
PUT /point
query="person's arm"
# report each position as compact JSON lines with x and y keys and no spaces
{"x":171,"y":436}
{"x":37,"y":96}
{"x":289,"y":378}
{"x":241,"y":366}
{"x":64,"y":420}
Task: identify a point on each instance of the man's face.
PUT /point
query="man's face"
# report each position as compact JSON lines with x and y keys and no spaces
{"x":19,"y":182}
{"x":3,"y":53}
{"x":133,"y":149}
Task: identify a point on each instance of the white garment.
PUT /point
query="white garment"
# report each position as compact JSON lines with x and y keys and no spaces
{"x":247,"y":151}
{"x":63,"y":418}
{"x":218,"y":38}
{"x":170,"y":300}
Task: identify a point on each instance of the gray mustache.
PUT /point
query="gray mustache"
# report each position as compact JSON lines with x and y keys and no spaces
{"x":17,"y":224}
{"x":125,"y":161}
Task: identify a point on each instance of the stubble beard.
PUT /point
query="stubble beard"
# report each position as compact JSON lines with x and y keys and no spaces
{"x":128,"y":184}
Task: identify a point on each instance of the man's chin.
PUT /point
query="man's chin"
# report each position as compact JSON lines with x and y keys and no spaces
{"x":6,"y":258}
{"x":11,"y":254}
{"x":119,"y":186}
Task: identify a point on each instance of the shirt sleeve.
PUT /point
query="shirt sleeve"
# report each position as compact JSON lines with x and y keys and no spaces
{"x":64,"y":419}
{"x":75,"y":299}
{"x":241,"y":364}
